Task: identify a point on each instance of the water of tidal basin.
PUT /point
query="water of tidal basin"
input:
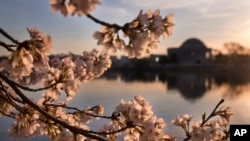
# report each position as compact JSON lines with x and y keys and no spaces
{"x":179,"y":94}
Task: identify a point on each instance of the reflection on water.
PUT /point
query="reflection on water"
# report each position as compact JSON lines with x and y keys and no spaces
{"x":169,"y":93}
{"x":191,"y":85}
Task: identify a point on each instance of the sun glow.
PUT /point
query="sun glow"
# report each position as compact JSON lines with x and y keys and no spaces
{"x":244,"y":34}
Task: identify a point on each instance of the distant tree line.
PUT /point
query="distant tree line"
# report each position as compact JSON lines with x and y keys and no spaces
{"x":234,"y":54}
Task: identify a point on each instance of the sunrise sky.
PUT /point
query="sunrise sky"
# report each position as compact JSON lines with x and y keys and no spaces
{"x":213,"y":21}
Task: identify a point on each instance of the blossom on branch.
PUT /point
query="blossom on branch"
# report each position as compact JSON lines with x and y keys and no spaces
{"x":182,"y":121}
{"x":142,"y":34}
{"x":211,"y":131}
{"x":72,"y":7}
{"x":30,"y":56}
{"x":67,"y":72}
{"x":137,"y":113}
{"x":225,"y":113}
{"x":26,"y":124}
{"x":206,"y":130}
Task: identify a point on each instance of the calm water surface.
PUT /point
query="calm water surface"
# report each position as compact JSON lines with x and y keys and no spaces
{"x":169,"y":95}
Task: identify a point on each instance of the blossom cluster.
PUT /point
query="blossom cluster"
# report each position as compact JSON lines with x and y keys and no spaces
{"x":72,"y":7}
{"x":214,"y":130}
{"x":142,"y":34}
{"x":210,"y":130}
{"x":26,"y":124}
{"x":67,"y":72}
{"x":32,"y":123}
{"x":141,"y":123}
{"x":30,"y":63}
{"x":30,"y":55}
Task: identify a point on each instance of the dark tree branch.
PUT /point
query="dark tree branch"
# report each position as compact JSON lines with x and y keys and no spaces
{"x":213,"y":112}
{"x":37,"y":89}
{"x":112,"y":132}
{"x":81,"y":111}
{"x":9,"y":96}
{"x":16,"y":106}
{"x":5,"y":34}
{"x":116,"y":26}
{"x":73,"y":129}
{"x":4,"y":95}
{"x":76,"y":130}
{"x":11,"y":115}
{"x":7,"y":47}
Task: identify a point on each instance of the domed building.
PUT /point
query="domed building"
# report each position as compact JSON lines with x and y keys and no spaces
{"x":191,"y":52}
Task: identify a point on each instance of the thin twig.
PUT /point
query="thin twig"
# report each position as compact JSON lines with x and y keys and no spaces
{"x":212,"y":113}
{"x":7,"y":47}
{"x":5,"y":34}
{"x":107,"y":117}
{"x":111,"y":132}
{"x":9,"y":96}
{"x":116,"y":26}
{"x":81,"y":111}
{"x":16,"y":106}
{"x":8,"y":115}
{"x":37,"y":89}
{"x":209,"y":117}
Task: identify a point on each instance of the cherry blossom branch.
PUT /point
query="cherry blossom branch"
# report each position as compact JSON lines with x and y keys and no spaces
{"x":143,"y":34}
{"x":82,"y":111}
{"x":213,"y":112}
{"x":129,"y":124}
{"x":37,"y":89}
{"x":7,"y":47}
{"x":17,"y":107}
{"x":87,"y":133}
{"x":113,"y":132}
{"x":47,"y":115}
{"x":11,"y":115}
{"x":204,"y":120}
{"x":5,"y":34}
{"x":9,"y":96}
{"x":116,"y":26}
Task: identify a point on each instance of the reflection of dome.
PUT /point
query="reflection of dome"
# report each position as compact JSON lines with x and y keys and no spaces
{"x":190,"y":92}
{"x":191,"y":85}
{"x":193,"y":43}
